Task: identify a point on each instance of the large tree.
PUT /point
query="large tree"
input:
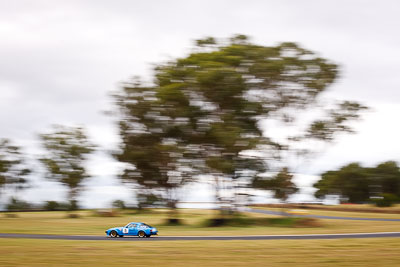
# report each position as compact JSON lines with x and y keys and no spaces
{"x":13,"y":168}
{"x":67,"y":149}
{"x":212,"y":106}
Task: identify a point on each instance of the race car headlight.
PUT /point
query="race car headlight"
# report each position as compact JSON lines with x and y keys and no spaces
{"x":153,"y":230}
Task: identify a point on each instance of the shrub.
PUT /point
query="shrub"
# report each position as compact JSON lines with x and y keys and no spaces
{"x":56,"y":206}
{"x":173,"y":222}
{"x":386,"y":200}
{"x":18,"y":205}
{"x":106,"y":213}
{"x":73,"y":205}
{"x":51,"y":206}
{"x":243,"y":221}
{"x":119,"y":204}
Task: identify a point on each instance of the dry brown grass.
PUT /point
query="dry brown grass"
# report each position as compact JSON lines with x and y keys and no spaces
{"x":288,"y":253}
{"x":344,"y":207}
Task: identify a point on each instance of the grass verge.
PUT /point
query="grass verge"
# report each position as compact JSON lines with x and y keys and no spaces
{"x":342,"y":252}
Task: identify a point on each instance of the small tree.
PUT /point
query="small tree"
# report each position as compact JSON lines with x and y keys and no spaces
{"x":67,"y":149}
{"x":118,"y":204}
{"x":281,"y":184}
{"x":13,"y":168}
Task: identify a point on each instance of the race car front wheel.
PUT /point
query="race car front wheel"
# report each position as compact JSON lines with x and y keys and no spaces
{"x":113,"y":234}
{"x":141,"y":234}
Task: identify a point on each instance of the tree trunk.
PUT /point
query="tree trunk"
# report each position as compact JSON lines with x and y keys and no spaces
{"x":173,"y":214}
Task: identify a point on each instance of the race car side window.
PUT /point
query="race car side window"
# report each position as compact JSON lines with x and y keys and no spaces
{"x":131,"y":225}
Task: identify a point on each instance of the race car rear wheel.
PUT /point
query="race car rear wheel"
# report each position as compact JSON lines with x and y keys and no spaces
{"x":113,"y":234}
{"x":141,"y":234}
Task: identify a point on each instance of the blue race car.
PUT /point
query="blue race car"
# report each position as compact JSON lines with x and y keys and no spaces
{"x":132,"y":229}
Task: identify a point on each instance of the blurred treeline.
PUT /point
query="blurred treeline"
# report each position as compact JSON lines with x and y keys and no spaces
{"x":232,"y":110}
{"x":357,"y":184}
{"x":66,"y":150}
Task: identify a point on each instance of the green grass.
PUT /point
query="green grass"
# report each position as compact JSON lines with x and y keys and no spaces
{"x":310,"y":253}
{"x":87,"y":224}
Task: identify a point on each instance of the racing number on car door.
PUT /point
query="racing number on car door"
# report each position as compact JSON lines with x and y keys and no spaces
{"x":125,"y":230}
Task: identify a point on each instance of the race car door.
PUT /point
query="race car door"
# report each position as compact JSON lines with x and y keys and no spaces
{"x":133,"y":229}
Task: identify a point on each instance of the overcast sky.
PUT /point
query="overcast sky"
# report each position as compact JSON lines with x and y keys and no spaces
{"x":59,"y":60}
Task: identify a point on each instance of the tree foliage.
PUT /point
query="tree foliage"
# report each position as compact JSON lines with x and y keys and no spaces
{"x":359,"y":184}
{"x":385,"y":178}
{"x":158,"y":161}
{"x":13,"y":168}
{"x":207,"y":108}
{"x":67,"y":148}
{"x":281,"y":184}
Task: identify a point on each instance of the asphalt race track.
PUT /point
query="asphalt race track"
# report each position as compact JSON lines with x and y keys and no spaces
{"x":193,"y":238}
{"x":323,"y":216}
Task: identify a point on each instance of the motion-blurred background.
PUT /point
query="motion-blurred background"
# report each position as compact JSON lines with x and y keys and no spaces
{"x":268,"y":88}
